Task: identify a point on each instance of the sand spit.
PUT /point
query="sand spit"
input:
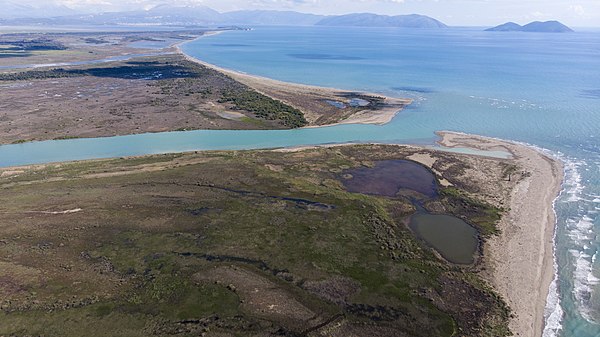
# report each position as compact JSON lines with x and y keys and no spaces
{"x":520,"y":260}
{"x":281,"y":91}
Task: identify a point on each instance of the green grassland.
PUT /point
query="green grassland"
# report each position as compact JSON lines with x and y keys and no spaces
{"x":152,"y":232}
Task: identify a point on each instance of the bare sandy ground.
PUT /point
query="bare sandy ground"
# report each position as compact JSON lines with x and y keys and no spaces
{"x":520,"y":259}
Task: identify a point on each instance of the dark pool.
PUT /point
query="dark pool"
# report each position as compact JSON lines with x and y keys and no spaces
{"x":453,"y":238}
{"x":389,"y":177}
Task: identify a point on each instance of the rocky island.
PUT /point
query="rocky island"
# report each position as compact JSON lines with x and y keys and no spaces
{"x":536,"y":26}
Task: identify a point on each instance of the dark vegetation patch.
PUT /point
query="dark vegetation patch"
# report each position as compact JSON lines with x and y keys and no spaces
{"x":95,"y":40}
{"x":140,"y":70}
{"x":482,"y":215}
{"x":9,"y":54}
{"x":176,"y":77}
{"x":264,"y":107}
{"x":31,"y":45}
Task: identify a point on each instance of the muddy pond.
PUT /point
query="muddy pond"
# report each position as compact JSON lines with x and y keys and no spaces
{"x":454,"y":239}
{"x":390,"y":178}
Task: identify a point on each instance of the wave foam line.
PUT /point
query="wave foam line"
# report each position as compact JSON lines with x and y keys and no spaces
{"x":580,"y":229}
{"x":553,"y":312}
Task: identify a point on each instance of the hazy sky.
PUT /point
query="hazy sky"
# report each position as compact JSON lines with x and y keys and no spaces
{"x":454,"y":12}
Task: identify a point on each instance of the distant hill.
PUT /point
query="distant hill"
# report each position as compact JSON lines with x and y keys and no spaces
{"x":15,"y":9}
{"x":537,"y":26}
{"x":159,"y":15}
{"x":375,"y":20}
{"x":262,"y":17}
{"x":507,"y":27}
{"x":162,"y":15}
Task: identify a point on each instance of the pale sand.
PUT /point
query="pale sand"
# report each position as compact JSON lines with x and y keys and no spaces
{"x":520,"y":260}
{"x":278,"y":89}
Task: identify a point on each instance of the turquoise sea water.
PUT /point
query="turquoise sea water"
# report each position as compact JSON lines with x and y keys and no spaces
{"x":541,"y":89}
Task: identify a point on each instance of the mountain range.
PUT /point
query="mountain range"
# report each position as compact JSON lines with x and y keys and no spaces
{"x":50,"y":13}
{"x":13,"y":13}
{"x":374,"y":20}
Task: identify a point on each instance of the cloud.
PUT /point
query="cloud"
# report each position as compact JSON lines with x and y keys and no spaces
{"x":578,"y":9}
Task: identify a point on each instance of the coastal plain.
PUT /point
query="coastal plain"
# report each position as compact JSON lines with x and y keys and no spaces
{"x":239,"y":243}
{"x":248,"y":242}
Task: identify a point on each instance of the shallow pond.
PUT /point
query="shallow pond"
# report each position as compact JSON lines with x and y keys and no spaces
{"x":453,"y":238}
{"x":389,"y":177}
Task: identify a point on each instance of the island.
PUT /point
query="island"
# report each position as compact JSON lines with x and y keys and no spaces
{"x":375,"y":20}
{"x":536,"y":26}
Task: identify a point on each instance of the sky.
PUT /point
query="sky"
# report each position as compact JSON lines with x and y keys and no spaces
{"x":577,"y":13}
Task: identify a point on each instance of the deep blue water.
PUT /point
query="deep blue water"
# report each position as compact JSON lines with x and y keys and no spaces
{"x":542,"y":89}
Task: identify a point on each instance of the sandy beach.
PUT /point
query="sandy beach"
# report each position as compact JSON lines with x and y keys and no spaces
{"x":519,"y":261}
{"x":281,"y":91}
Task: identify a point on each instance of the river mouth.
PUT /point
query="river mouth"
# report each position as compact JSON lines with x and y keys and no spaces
{"x":452,"y":238}
{"x":455,"y":240}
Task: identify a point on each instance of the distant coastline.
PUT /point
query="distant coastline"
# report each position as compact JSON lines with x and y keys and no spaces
{"x":378,"y":115}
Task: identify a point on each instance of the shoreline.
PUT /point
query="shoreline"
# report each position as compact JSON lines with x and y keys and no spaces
{"x":520,"y":261}
{"x":261,"y":84}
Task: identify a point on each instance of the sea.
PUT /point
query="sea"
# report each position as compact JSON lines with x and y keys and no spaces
{"x":534,"y":88}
